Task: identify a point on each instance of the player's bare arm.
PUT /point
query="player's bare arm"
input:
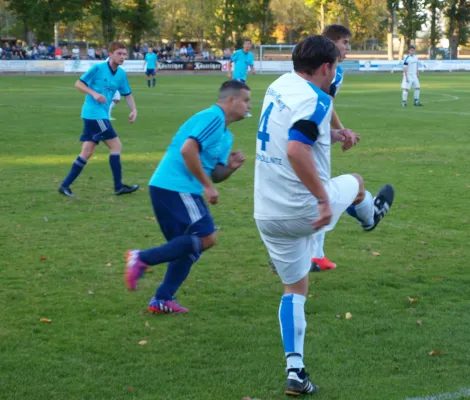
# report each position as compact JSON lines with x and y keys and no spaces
{"x":221,"y":172}
{"x":190,"y":153}
{"x":131,"y":103}
{"x":229,"y":69}
{"x":82,"y":87}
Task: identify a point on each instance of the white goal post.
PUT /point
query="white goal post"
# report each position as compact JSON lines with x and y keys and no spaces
{"x":282,"y":53}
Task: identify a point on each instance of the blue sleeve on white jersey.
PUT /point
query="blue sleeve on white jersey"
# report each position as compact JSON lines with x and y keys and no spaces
{"x":124,"y":87}
{"x":321,"y":108}
{"x":405,"y":61}
{"x":207,"y":130}
{"x":298,"y":136}
{"x":88,"y":77}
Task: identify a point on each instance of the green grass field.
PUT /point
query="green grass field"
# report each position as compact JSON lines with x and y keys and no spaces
{"x":63,"y":259}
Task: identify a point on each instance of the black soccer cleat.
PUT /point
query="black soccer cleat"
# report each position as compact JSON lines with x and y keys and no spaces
{"x":382,"y":203}
{"x":66,"y":191}
{"x":125,"y":189}
{"x":298,"y":383}
{"x":418,"y":104}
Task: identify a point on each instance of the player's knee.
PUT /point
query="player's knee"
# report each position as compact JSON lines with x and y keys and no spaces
{"x":361,"y":193}
{"x":209,"y":241}
{"x":86,"y":154}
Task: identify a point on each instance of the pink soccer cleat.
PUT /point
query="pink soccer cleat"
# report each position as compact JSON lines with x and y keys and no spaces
{"x":157,"y":306}
{"x":134,"y":269}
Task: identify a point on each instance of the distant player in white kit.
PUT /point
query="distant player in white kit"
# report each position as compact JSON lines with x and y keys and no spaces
{"x":295,"y":196}
{"x":411,"y":77}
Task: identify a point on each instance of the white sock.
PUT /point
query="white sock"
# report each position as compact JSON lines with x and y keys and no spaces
{"x":364,"y":211}
{"x":293,"y":325}
{"x":416,"y":95}
{"x":111,"y":108}
{"x":404,"y":95}
{"x":319,"y":240}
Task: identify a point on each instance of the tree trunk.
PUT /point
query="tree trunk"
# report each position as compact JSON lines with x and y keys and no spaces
{"x":391,"y":25}
{"x":401,"y":50}
{"x":322,"y":15}
{"x":107,"y":22}
{"x":265,"y":22}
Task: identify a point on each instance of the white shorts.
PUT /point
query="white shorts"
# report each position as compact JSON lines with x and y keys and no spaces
{"x":117,"y":96}
{"x":290,"y":243}
{"x":413,"y":82}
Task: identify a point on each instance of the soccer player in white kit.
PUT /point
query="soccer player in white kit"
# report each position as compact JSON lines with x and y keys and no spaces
{"x":411,"y":77}
{"x":295,"y":196}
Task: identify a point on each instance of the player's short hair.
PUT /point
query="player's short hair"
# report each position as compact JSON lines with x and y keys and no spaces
{"x":231,"y":88}
{"x":336,"y":32}
{"x":116,"y":45}
{"x":312,"y":52}
{"x":247,"y":40}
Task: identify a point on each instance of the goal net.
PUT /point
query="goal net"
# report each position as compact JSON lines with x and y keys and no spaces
{"x":275,"y":58}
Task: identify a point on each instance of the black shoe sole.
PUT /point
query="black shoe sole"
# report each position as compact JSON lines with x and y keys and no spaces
{"x":127,"y":191}
{"x":386,"y":194}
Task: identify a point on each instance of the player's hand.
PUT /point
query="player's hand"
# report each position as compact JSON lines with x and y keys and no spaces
{"x":99,"y":98}
{"x":132,"y":116}
{"x":236,"y":159}
{"x":211,"y":194}
{"x":324,"y":218}
{"x":348,"y":138}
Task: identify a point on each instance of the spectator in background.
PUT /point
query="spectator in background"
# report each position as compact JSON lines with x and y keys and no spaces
{"x":227,"y":54}
{"x":58,"y":53}
{"x":190,"y":52}
{"x":104,"y":53}
{"x":183,"y":52}
{"x":1,"y":53}
{"x":35,"y":52}
{"x":51,"y":51}
{"x":145,"y":49}
{"x":76,"y":53}
{"x":65,"y":52}
{"x":91,"y":53}
{"x":42,"y":50}
{"x":136,"y":51}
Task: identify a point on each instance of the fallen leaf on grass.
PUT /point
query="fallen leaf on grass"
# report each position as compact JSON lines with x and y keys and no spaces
{"x":43,"y":258}
{"x":419,"y":322}
{"x":108,"y":265}
{"x":47,"y":321}
{"x":90,"y":292}
{"x":130,"y":388}
{"x":438,"y":279}
{"x":424,"y":243}
{"x":339,"y":316}
{"x":375,"y":253}
{"x":150,"y":218}
{"x":147,"y":324}
{"x":45,"y":219}
{"x":412,"y":300}
{"x":457,"y":174}
{"x":142,"y":342}
{"x":348,"y":315}
{"x":149,"y":270}
{"x":434,"y":353}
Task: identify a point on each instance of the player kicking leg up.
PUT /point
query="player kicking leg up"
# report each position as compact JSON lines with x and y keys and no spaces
{"x":100,"y":83}
{"x":295,"y":197}
{"x":199,"y":155}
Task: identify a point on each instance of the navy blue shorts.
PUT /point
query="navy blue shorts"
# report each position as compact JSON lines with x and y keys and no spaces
{"x":150,"y":71}
{"x":181,"y":213}
{"x":96,"y":130}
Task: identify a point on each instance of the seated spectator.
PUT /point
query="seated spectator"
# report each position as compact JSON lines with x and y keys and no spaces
{"x":227,"y":54}
{"x":58,"y":53}
{"x":104,"y":53}
{"x":91,"y":53}
{"x":51,"y":51}
{"x":34,"y":52}
{"x":65,"y":52}
{"x":17,"y":50}
{"x":76,"y":53}
{"x":183,"y":52}
{"x":136,"y":51}
{"x":42,"y":50}
{"x":177,"y":53}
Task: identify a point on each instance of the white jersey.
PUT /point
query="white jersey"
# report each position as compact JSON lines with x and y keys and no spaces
{"x":412,"y":63}
{"x":279,"y":193}
{"x":337,"y":82}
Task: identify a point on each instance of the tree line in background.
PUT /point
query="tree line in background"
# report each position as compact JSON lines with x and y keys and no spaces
{"x":223,"y":23}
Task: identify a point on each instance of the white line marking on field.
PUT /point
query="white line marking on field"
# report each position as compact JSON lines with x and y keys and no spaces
{"x":450,"y":97}
{"x":465,"y":392}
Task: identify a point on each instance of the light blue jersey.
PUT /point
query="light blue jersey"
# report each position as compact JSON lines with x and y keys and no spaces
{"x":151,"y":60}
{"x":215,"y":141}
{"x":242,"y":61}
{"x":103,"y":80}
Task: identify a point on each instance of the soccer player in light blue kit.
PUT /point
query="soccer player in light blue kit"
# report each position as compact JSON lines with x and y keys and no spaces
{"x":242,"y":60}
{"x":100,"y":83}
{"x":150,"y":66}
{"x":198,"y":156}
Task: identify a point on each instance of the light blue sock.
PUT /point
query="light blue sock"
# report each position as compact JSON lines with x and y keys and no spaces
{"x":293,"y":325}
{"x":364,"y":211}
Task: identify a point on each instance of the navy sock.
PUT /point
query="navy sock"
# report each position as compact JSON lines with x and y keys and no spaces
{"x":176,"y":248}
{"x":153,"y":82}
{"x":148,"y":82}
{"x":115,"y":164}
{"x":176,"y":274}
{"x":76,"y":170}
